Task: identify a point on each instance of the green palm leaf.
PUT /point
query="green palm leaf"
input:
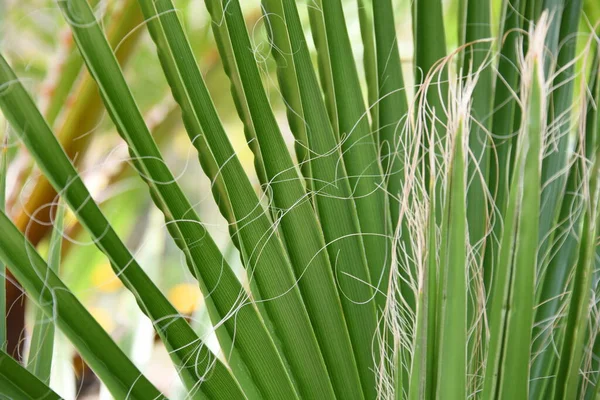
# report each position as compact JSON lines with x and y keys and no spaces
{"x":17,"y":383}
{"x":435,"y":245}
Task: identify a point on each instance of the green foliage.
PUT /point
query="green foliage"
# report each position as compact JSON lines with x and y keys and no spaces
{"x":18,"y":383}
{"x":42,"y":338}
{"x":440,"y":245}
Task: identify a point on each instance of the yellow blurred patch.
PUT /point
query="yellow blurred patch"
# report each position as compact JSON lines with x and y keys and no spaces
{"x":104,"y":278}
{"x":242,"y":149}
{"x":185,"y":297}
{"x":103,"y":317}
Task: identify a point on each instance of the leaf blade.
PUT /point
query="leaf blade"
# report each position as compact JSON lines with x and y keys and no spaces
{"x":39,"y":360}
{"x":95,"y":345}
{"x":32,"y":129}
{"x":507,"y":370}
{"x":16,"y":382}
{"x":452,"y":291}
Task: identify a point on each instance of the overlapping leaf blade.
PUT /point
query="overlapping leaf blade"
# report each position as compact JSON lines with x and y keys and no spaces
{"x":359,"y":151}
{"x":301,"y":231}
{"x":511,"y":306}
{"x":317,"y":26}
{"x":451,"y":349}
{"x":286,"y":76}
{"x":503,"y":123}
{"x":39,"y":360}
{"x":578,"y":319}
{"x":476,"y":62}
{"x":17,"y":383}
{"x":370,"y":62}
{"x":568,"y":236}
{"x":392,"y":107}
{"x":95,"y":345}
{"x":562,"y":27}
{"x":429,"y":37}
{"x":30,"y":126}
{"x":335,"y":207}
{"x":245,"y":202}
